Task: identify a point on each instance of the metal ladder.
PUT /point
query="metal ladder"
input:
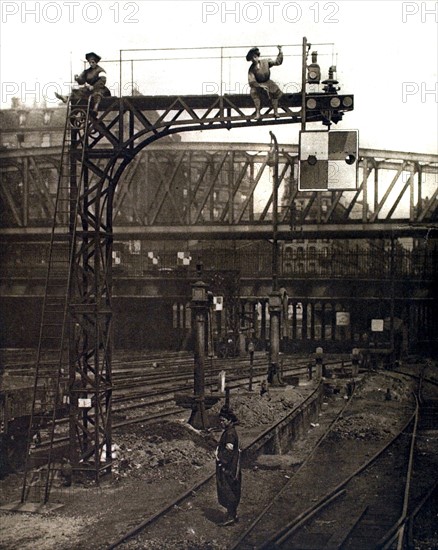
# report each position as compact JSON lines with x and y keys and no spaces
{"x":51,"y":376}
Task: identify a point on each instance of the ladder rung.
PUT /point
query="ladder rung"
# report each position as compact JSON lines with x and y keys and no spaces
{"x":50,"y":374}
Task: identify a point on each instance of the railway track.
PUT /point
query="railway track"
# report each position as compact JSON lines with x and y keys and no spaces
{"x":145,"y":389}
{"x":374,"y":507}
{"x":201,"y":488}
{"x":362,"y":512}
{"x":360,"y":503}
{"x":161,"y":402}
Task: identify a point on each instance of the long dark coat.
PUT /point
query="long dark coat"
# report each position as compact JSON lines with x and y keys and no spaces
{"x":228,"y":470}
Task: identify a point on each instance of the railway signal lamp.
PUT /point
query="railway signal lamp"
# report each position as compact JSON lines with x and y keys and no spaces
{"x":329,"y":102}
{"x":313,"y":70}
{"x":199,"y":293}
{"x":329,"y":106}
{"x":328,"y":160}
{"x":275,"y":303}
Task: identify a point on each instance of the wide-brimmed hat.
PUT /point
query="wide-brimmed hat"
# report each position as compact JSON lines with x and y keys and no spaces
{"x":227,"y":413}
{"x":92,"y":55}
{"x":251,"y":52}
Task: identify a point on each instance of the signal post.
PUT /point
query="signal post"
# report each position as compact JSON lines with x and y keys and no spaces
{"x":200,"y":304}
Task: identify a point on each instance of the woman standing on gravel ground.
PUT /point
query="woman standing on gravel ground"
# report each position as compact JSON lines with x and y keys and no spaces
{"x":228,"y":471}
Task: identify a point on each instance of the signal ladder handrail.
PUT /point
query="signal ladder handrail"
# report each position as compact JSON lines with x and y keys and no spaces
{"x":78,"y":121}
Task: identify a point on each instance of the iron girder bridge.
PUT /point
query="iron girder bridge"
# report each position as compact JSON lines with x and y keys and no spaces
{"x":224,"y":190}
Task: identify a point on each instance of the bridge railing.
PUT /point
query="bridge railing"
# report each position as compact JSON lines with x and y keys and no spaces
{"x":204,"y":70}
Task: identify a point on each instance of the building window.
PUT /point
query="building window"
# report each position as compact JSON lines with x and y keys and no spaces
{"x":175,"y":315}
{"x":21,"y":119}
{"x":45,"y":142}
{"x":47,"y":117}
{"x":188,"y":317}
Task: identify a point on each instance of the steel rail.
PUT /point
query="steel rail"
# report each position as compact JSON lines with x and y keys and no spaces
{"x":156,"y":416}
{"x":192,"y":490}
{"x":415,"y":512}
{"x":282,"y":535}
{"x":244,"y":535}
{"x":397,"y":530}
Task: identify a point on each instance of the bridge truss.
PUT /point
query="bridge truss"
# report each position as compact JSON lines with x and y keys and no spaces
{"x":224,"y":190}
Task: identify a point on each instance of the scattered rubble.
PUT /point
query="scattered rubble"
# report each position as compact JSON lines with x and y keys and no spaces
{"x":368,"y":427}
{"x":253,"y":410}
{"x":153,"y":452}
{"x":377,"y":386}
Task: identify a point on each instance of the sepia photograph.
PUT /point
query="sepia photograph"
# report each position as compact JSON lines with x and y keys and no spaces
{"x":218,"y":275}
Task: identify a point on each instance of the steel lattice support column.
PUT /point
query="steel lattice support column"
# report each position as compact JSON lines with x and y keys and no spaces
{"x":91,"y":316}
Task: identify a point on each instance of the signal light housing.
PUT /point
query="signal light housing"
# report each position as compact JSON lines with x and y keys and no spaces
{"x":313,"y":70}
{"x":329,"y":102}
{"x":330,"y":107}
